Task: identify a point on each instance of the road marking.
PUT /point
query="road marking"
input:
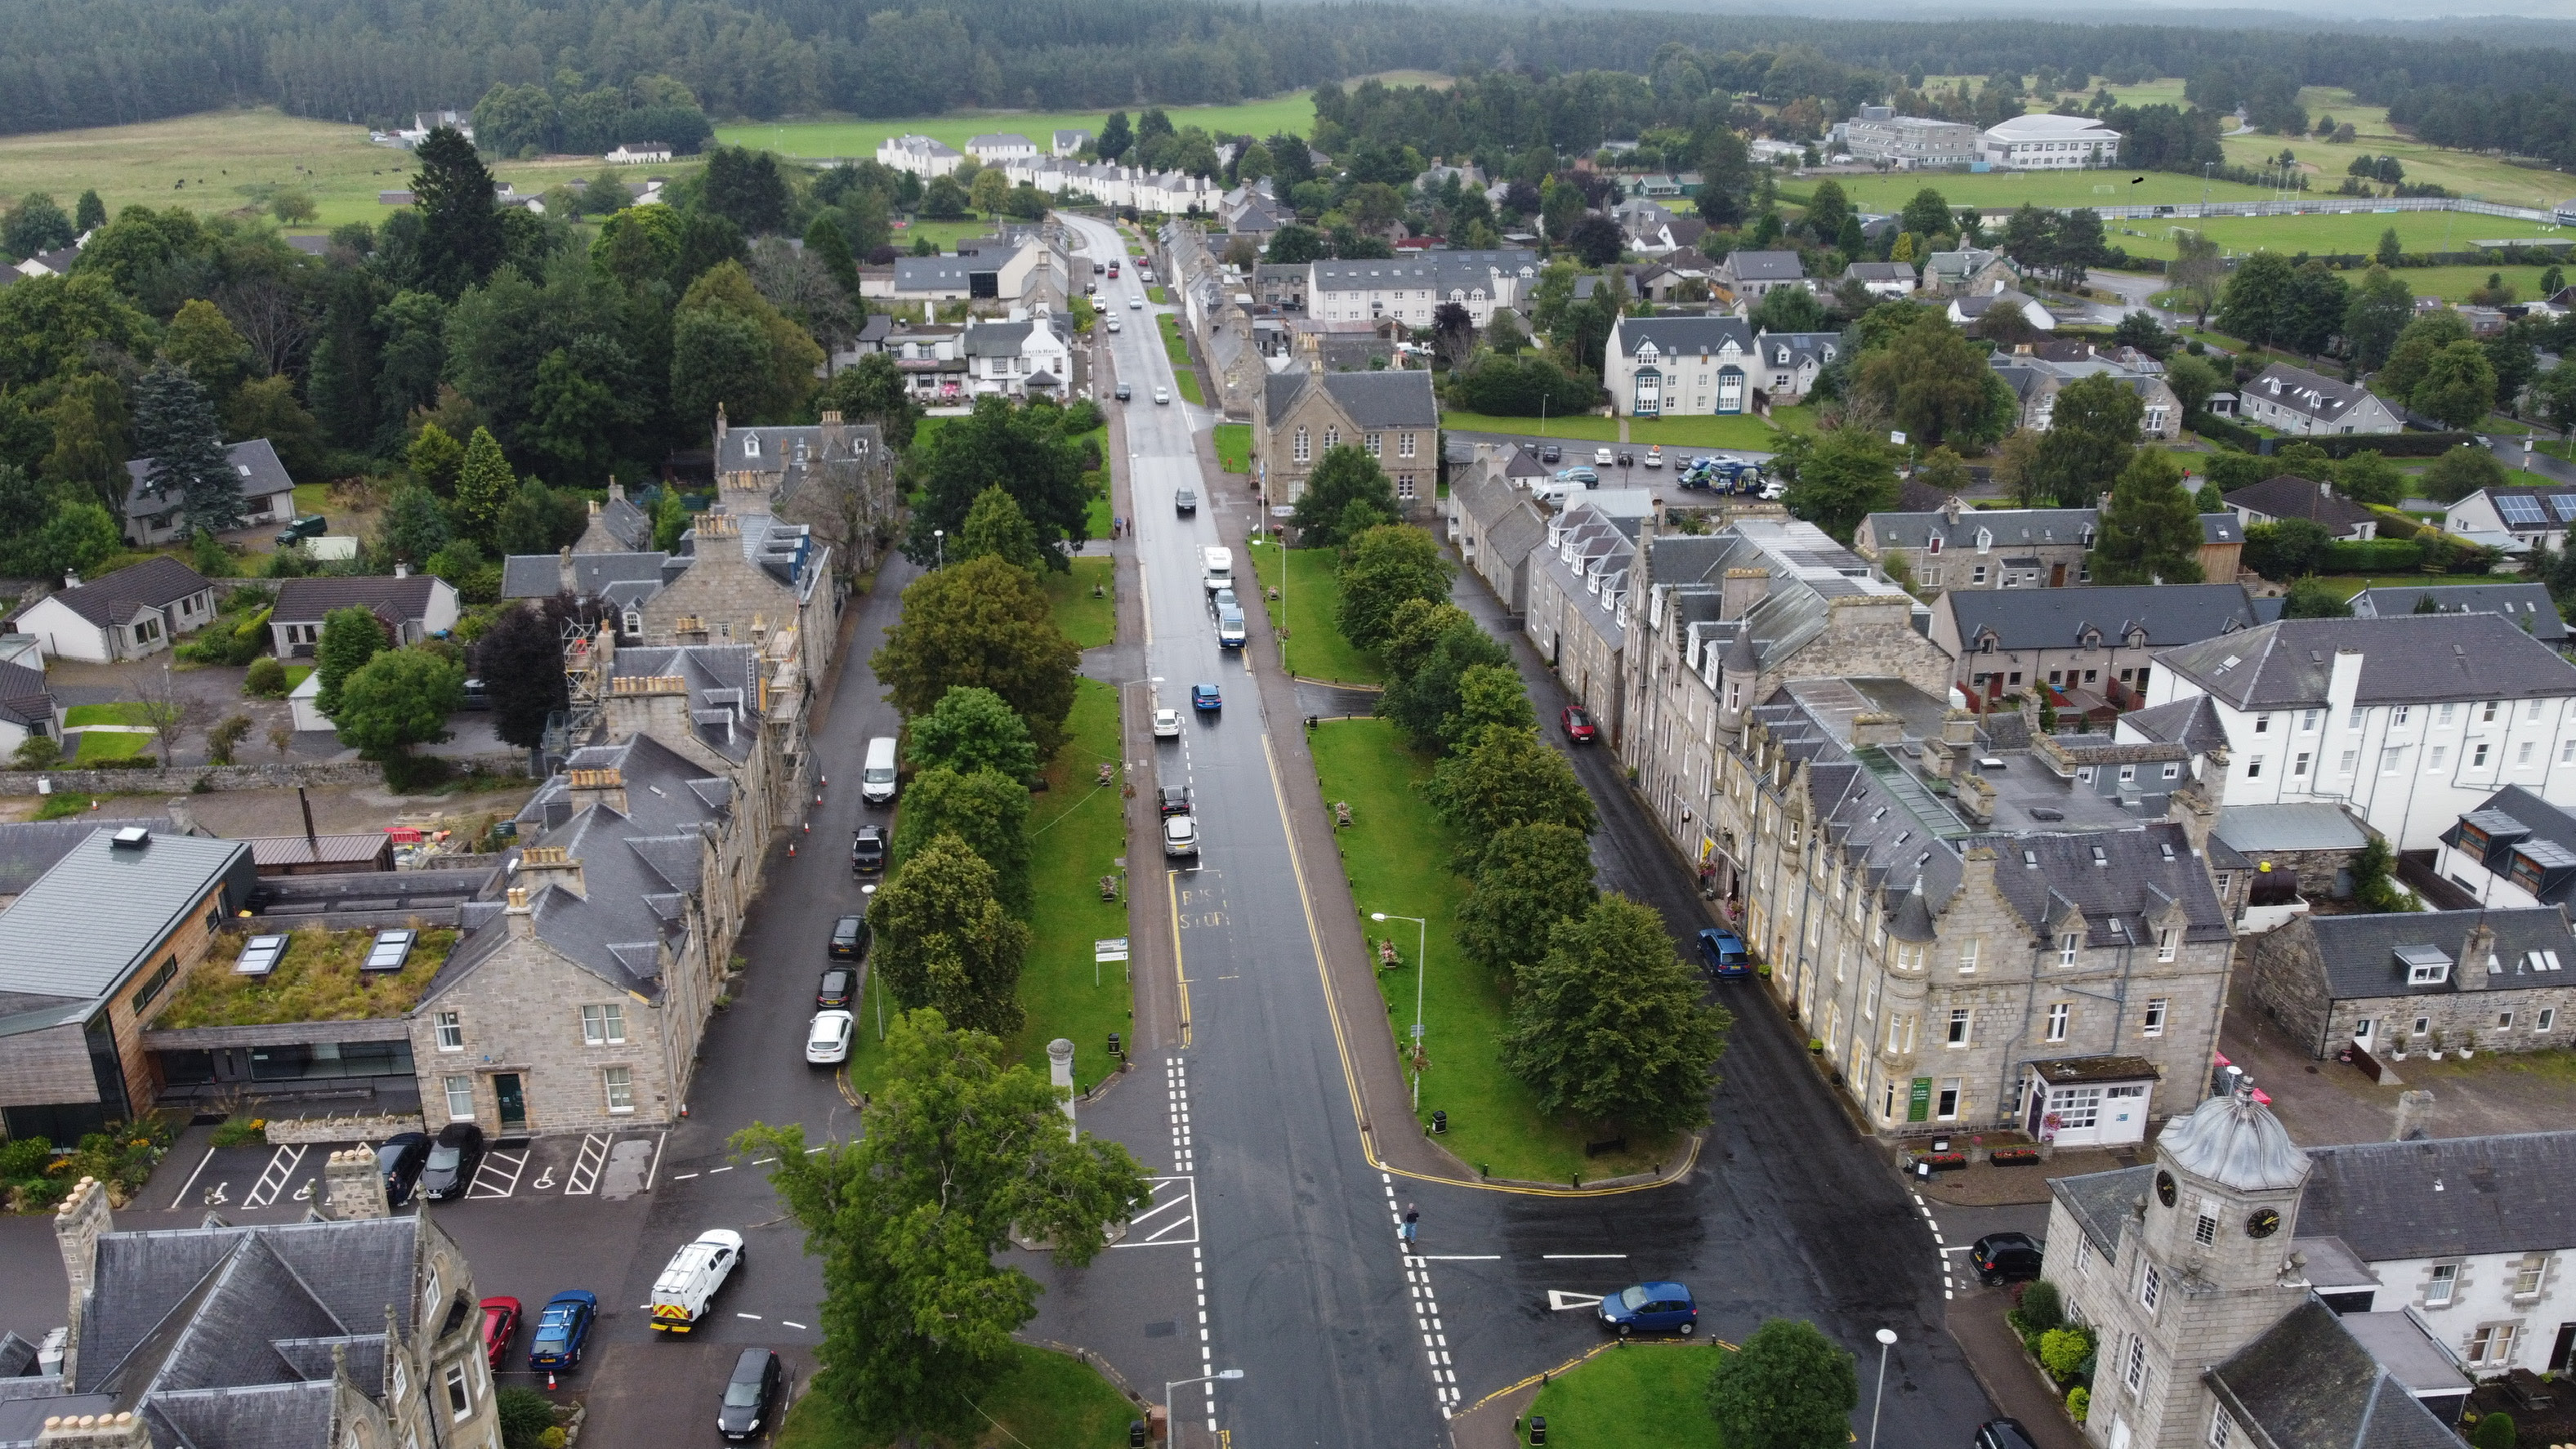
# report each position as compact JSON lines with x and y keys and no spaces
{"x":1180,"y":968}
{"x":1174,"y":1217}
{"x":1578,"y":1257}
{"x":1561,"y":1300}
{"x":273,"y":1178}
{"x":655,"y":1169}
{"x":192,"y":1180}
{"x":754,"y":1317}
{"x":790,"y":1323}
{"x":583,"y":1179}
{"x":1461,"y":1257}
{"x":682,"y":1176}
{"x":1963,"y":1247}
{"x":762,"y":1161}
{"x":504,"y":1170}
{"x":712,"y":1171}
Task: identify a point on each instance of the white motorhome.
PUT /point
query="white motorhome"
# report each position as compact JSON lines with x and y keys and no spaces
{"x":1217,"y":569}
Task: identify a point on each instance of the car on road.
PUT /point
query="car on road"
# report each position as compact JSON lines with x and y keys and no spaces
{"x":1162,"y":395}
{"x":837,"y":986}
{"x":562,"y":1328}
{"x":1204,"y":698}
{"x":1579,"y":474}
{"x":1115,"y":325}
{"x":1125,"y":392}
{"x":867,"y":850}
{"x":849,"y":941}
{"x":1135,"y":302}
{"x":2002,"y":1434}
{"x":449,"y":1169}
{"x":827,"y":1038}
{"x":1184,"y":501}
{"x":690,"y":1281}
{"x":1172,"y":800}
{"x":1603,"y":457}
{"x":747,"y":1395}
{"x":1722,"y":954}
{"x":1180,"y":836}
{"x":1097,"y":269}
{"x":1578,"y":725}
{"x":1654,"y":457}
{"x":500,"y":1325}
{"x":1167,"y":724}
{"x":1551,"y":453}
{"x":2005,"y":1258}
{"x":400,"y":1160}
{"x":1650,"y":1308}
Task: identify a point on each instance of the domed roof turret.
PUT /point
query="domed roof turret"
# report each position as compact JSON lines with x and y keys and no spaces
{"x":2237,"y":1143}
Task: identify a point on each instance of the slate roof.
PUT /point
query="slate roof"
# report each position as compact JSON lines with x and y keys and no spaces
{"x":2528,"y":605}
{"x":24,"y":700}
{"x":1685,"y":336}
{"x":2262,"y":829}
{"x":2221,"y":528}
{"x":83,"y":926}
{"x":2005,"y":527}
{"x":254,"y":462}
{"x":2361,"y":962}
{"x":2288,"y":495}
{"x":2323,"y":398}
{"x":1386,"y":399}
{"x":1438,"y":271}
{"x":155,"y":583}
{"x":996,"y":339}
{"x":2307,"y":1383}
{"x":1765,"y":266}
{"x":2192,"y":723}
{"x":29,"y":848}
{"x":1881,"y":272}
{"x":630,"y":525}
{"x":724,"y":688}
{"x":933,"y":274}
{"x":2062,"y":618}
{"x":2516,"y":822}
{"x":2448,"y":1197}
{"x":2407,"y":658}
{"x":1787,"y":349}
{"x":393,"y":599}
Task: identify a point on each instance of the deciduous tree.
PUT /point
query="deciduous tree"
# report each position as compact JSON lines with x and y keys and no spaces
{"x":1608,"y":1025}
{"x":350,"y":638}
{"x":520,"y":660}
{"x":1788,"y":1387}
{"x":1845,"y":477}
{"x":398,"y":699}
{"x":1347,"y":494}
{"x":1507,"y":777}
{"x":986,"y":810}
{"x":2458,"y":388}
{"x":1528,"y":878}
{"x":944,"y":940}
{"x":1386,"y":566}
{"x":985,"y":623}
{"x":1020,"y":450}
{"x":972,"y":729}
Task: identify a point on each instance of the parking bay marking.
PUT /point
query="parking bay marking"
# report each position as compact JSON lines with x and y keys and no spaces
{"x":1560,"y":1300}
{"x":1175,"y":1212}
{"x":274,"y":1177}
{"x":499,"y":1174}
{"x":583,"y":1179}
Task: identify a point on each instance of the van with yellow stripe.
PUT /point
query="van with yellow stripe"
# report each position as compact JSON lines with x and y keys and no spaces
{"x":687,"y":1287}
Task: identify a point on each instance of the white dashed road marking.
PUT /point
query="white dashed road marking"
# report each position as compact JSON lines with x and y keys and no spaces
{"x":1426,"y":1309}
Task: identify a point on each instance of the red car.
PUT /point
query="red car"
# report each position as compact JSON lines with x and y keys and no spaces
{"x":500,"y":1325}
{"x":1578,"y":725}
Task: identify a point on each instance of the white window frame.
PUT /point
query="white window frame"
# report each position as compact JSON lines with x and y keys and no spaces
{"x":2443,"y":1286}
{"x":460,"y":1395}
{"x":453,"y":1085}
{"x":618,"y":1083}
{"x":2061,"y":1015}
{"x":604,"y":1024}
{"x":2155,"y":1021}
{"x":2222,"y":1428}
{"x":2069,"y":946}
{"x":451,"y":1032}
{"x":1963,"y":1025}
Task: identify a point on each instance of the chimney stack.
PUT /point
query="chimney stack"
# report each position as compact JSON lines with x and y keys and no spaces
{"x":401,"y":570}
{"x":79,"y":1223}
{"x":94,"y":1431}
{"x":1741,"y":590}
{"x":356,"y":1185}
{"x":2471,"y":973}
{"x":540,"y":865}
{"x":519,"y":916}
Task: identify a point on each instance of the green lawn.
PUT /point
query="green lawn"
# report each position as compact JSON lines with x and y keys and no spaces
{"x":1314,"y":648}
{"x":1397,"y":855}
{"x":1076,"y":831}
{"x":947,"y":234}
{"x":111,"y":745}
{"x":1156,"y":295}
{"x":1234,"y":447}
{"x":2341,"y":232}
{"x":1175,"y":346}
{"x":1034,"y":1396}
{"x":1187,"y":380}
{"x":1089,"y":622}
{"x":1589,"y":427}
{"x":1739,"y":431}
{"x":124,"y":712}
{"x":2347,"y":585}
{"x":1640,"y":1395}
{"x":1294,"y":111}
{"x":310,"y":497}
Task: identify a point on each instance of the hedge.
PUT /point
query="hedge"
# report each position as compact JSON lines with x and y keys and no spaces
{"x":2333,"y":445}
{"x":2211,"y":425}
{"x":2377,"y":556}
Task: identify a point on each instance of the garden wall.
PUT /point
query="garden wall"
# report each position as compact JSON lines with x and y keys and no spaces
{"x":284,"y":775}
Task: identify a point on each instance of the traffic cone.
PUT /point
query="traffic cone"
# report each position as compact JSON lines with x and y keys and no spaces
{"x":791,"y":850}
{"x":550,"y":1381}
{"x":809,"y":827}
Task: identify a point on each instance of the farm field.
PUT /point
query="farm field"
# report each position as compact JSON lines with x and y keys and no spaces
{"x":235,"y":160}
{"x":2464,"y":172}
{"x":855,"y":138}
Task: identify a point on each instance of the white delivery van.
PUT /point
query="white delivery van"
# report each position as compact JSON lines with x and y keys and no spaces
{"x":1217,"y":569}
{"x":876,"y":777}
{"x":689,"y":1283}
{"x":1229,"y":628}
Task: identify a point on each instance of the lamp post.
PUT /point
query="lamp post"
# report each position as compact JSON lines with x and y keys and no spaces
{"x":939,"y":544}
{"x":1168,"y":1426}
{"x":1421,"y":969}
{"x":1886,"y":1341}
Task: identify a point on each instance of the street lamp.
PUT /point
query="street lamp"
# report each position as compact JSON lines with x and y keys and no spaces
{"x":1168,"y":1426}
{"x":1421,"y":969}
{"x":1886,"y":1341}
{"x":939,"y":543}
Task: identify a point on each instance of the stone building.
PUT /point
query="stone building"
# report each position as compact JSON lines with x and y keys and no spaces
{"x":1578,"y":596}
{"x":616,"y":526}
{"x":2095,"y":645}
{"x":834,"y":477}
{"x":1304,"y":414}
{"x":1958,"y":547}
{"x":2484,"y":980}
{"x":1495,"y":525}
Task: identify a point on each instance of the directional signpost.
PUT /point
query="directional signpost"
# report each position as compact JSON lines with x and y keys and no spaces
{"x":1112,"y":949}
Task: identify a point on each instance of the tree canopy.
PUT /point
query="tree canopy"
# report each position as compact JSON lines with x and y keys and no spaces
{"x":944,"y":939}
{"x":986,"y":623}
{"x":1608,"y":1024}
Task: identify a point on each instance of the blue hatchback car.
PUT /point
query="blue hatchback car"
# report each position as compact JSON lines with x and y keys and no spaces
{"x":1650,"y":1308}
{"x":1722,"y":953}
{"x":562,"y":1329}
{"x":1205,"y":697}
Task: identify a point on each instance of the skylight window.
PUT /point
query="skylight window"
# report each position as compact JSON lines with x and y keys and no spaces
{"x":260,"y":955}
{"x":391,"y":950}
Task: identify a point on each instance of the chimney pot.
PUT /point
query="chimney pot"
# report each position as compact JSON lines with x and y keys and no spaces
{"x":402,"y":570}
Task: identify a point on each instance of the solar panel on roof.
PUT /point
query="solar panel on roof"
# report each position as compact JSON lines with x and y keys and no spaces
{"x":2565,"y":503}
{"x":2518,"y":508}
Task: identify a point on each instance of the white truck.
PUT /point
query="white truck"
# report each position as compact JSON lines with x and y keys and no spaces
{"x":1217,"y":569}
{"x":687,"y":1287}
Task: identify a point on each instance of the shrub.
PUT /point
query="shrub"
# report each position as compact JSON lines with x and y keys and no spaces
{"x":241,"y":1132}
{"x":2378,"y":556}
{"x":25,"y":1157}
{"x":2079,"y":1403}
{"x":266,"y":679}
{"x":525,"y":1415}
{"x":2062,"y":1351}
{"x":39,"y":752}
{"x":2495,"y":1431}
{"x":2040,"y":1306}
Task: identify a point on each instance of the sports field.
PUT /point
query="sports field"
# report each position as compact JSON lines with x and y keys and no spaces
{"x":2339,"y":233}
{"x":852,"y":138}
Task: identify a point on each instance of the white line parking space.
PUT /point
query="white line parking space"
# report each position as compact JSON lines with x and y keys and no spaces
{"x":583,"y":1179}
{"x":1172,"y":1221}
{"x":499,"y":1174}
{"x":273,"y":1180}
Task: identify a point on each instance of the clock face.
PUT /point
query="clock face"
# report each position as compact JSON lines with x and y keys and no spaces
{"x":2263,"y":1223}
{"x":2165,"y":1188}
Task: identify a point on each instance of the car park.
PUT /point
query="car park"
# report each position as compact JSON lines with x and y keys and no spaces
{"x":1172,"y":800}
{"x":1602,"y":457}
{"x":400,"y":1160}
{"x":827,"y":1038}
{"x":1654,"y":457}
{"x":1125,"y":392}
{"x":748,"y":1393}
{"x":562,"y":1329}
{"x":1204,"y":698}
{"x":1162,"y":395}
{"x":849,"y":939}
{"x":688,"y":1284}
{"x":868,"y":850}
{"x":1722,"y":954}
{"x":449,"y":1168}
{"x":1167,"y":724}
{"x":1650,"y":1308}
{"x":2005,"y":1258}
{"x":837,"y":986}
{"x":1185,"y":501}
{"x":1180,"y":836}
{"x":1578,"y":725}
{"x":500,"y":1325}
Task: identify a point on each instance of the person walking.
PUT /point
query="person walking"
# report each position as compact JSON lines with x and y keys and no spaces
{"x":1412,"y":1223}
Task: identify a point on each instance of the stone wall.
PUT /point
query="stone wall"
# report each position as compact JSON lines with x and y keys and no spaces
{"x":368,"y":1128}
{"x":188,"y":779}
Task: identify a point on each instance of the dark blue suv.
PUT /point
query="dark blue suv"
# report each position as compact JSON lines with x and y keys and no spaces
{"x":1722,"y":953}
{"x":1650,"y":1308}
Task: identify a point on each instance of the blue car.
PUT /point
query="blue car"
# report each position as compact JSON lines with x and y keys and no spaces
{"x":1204,"y":697}
{"x":1722,"y":953}
{"x":1650,"y":1308}
{"x":562,"y":1329}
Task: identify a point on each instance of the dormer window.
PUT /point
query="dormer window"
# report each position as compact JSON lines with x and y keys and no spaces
{"x":1936,"y":544}
{"x":2424,"y":965}
{"x":1985,"y":540}
{"x":751,"y":445}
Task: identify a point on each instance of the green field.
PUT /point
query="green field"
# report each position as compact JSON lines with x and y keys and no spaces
{"x":1397,"y":856}
{"x":1034,"y":1396}
{"x":1090,"y":622}
{"x":235,"y":160}
{"x":1741,"y":431}
{"x":1636,"y":1395}
{"x":1314,"y":647}
{"x":853,"y":139}
{"x":2322,"y":233}
{"x":1234,"y":447}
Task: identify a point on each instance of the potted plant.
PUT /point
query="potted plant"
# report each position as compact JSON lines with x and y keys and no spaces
{"x":2397,"y":1049}
{"x":2013,"y":1156}
{"x":2435,"y":1051}
{"x":1815,"y":1047}
{"x":2468,"y":1045}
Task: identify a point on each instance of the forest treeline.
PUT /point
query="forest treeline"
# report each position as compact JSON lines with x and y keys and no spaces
{"x":107,"y":62}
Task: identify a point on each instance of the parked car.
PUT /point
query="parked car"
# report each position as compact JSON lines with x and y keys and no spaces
{"x":2005,"y":1258}
{"x":1654,"y":457}
{"x":2002,"y":1434}
{"x":1163,"y":395}
{"x":849,"y":939}
{"x":1167,"y":724}
{"x":1650,"y":1308}
{"x":449,"y":1171}
{"x":1774,"y":491}
{"x":500,"y":1325}
{"x":1172,"y":800}
{"x":827,"y":1038}
{"x":868,"y":849}
{"x":1602,"y":457}
{"x":747,"y":1394}
{"x":1115,"y":326}
{"x":311,"y":525}
{"x":1551,"y":453}
{"x":1627,"y":459}
{"x":1205,"y":699}
{"x":1722,"y":954}
{"x":1589,"y":478}
{"x":562,"y":1329}
{"x":1221,"y":600}
{"x":401,"y":1159}
{"x":690,"y":1281}
{"x":1180,"y":836}
{"x":836,"y":988}
{"x":1184,"y":501}
{"x":1125,"y":392}
{"x":477,"y":695}
{"x":1578,"y":725}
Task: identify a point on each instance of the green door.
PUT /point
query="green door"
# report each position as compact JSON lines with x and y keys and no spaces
{"x":514,"y":1105}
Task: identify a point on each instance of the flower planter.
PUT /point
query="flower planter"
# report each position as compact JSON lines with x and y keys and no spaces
{"x":2014,"y":1157}
{"x":1944,"y":1161}
{"x":2433,"y":1056}
{"x":2465,"y":1054}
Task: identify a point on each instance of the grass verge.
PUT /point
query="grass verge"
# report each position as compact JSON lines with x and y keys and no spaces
{"x":1234,"y":447}
{"x":1396,"y":855}
{"x":1314,"y":647}
{"x":1089,"y":622}
{"x":1187,"y":379}
{"x":122,"y":712}
{"x":1609,"y":1397}
{"x":111,"y":745}
{"x":1174,"y":346}
{"x":1033,"y":1396}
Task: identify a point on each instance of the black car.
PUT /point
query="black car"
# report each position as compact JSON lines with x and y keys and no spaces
{"x":2005,"y":1258}
{"x":1185,"y":501}
{"x":1125,"y":392}
{"x":838,"y":986}
{"x":850,"y":938}
{"x":868,"y":849}
{"x":1551,"y":454}
{"x":400,"y":1160}
{"x":311,"y":525}
{"x":1627,"y":459}
{"x":2002,"y":1434}
{"x":747,"y":1394}
{"x":1175,"y":800}
{"x":452,"y":1160}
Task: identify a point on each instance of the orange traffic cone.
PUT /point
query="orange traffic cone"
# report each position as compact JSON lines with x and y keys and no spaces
{"x":791,"y":850}
{"x":550,"y":1381}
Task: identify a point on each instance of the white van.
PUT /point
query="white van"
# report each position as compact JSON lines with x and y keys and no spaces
{"x":876,"y":778}
{"x":689,"y":1283}
{"x":1217,"y":569}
